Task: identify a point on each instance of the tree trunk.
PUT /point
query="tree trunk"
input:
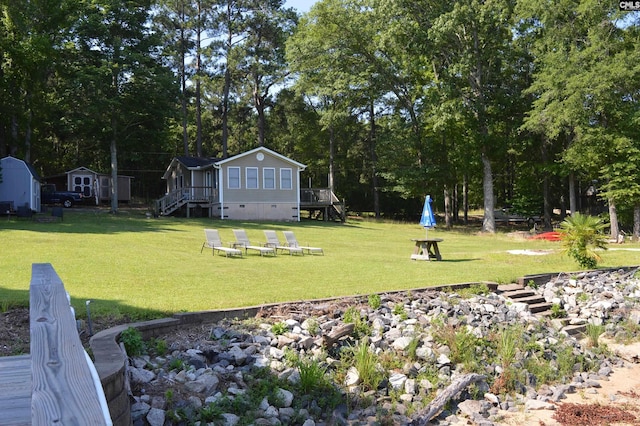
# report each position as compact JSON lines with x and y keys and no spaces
{"x":613,"y":219}
{"x":489,"y":220}
{"x":183,"y":80}
{"x":374,"y":160}
{"x":447,"y":207}
{"x":227,"y":84}
{"x":331,"y":159}
{"x":258,"y":102}
{"x":546,"y":210}
{"x":114,"y":166}
{"x":636,"y":223}
{"x":572,"y":193}
{"x":465,"y":199}
{"x":198,"y":83}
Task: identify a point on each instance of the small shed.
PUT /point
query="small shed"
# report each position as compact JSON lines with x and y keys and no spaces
{"x":20,"y":184}
{"x":90,"y":183}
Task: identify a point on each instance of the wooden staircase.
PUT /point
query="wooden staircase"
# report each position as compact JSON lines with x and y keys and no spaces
{"x":518,"y":293}
{"x":538,"y":305}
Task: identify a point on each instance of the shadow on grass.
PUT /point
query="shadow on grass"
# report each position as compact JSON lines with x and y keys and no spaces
{"x":97,"y":308}
{"x":101,"y":221}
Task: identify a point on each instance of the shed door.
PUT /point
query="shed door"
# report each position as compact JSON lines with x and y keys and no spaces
{"x":105,"y":188}
{"x":82,"y":183}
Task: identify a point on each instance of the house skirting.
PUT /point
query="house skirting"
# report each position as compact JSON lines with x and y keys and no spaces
{"x":280,"y":211}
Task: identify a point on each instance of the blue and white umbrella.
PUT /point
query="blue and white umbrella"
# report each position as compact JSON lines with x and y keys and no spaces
{"x":427,"y":220}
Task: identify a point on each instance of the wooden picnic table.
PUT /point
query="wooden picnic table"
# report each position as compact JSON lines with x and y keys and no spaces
{"x":426,"y":249}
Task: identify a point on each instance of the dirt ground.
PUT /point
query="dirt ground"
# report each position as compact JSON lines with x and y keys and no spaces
{"x":617,"y":399}
{"x":616,"y":402}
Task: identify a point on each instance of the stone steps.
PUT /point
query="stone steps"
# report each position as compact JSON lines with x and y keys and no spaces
{"x":537,"y":305}
{"x":521,"y":294}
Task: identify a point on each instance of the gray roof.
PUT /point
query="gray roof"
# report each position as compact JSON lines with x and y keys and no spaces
{"x":195,"y":162}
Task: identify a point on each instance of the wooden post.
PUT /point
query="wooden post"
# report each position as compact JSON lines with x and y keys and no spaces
{"x":63,"y":389}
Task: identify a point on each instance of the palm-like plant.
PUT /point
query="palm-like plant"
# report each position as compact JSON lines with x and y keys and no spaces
{"x":581,"y":236}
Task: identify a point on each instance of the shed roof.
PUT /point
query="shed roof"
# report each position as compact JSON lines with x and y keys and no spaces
{"x":29,"y":167}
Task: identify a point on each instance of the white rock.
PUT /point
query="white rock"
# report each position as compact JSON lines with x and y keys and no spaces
{"x":140,"y":375}
{"x":401,"y":343}
{"x":230,"y":419}
{"x":534,"y":404}
{"x":352,"y":377}
{"x":284,"y":397}
{"x":443,"y":359}
{"x":156,"y":417}
{"x":397,"y":380}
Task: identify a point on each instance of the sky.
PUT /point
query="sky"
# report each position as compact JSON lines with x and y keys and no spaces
{"x":301,"y":5}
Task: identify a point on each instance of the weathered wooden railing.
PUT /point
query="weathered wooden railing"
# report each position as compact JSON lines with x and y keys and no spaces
{"x":66,"y":389}
{"x":322,"y":198}
{"x":178,"y":197}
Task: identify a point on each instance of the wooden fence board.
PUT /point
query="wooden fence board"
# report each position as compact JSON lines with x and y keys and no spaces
{"x":63,"y":391}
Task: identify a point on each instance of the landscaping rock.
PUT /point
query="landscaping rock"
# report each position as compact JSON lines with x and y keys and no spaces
{"x":418,"y":357}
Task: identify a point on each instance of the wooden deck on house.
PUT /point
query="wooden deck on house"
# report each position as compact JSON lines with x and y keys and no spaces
{"x":15,"y":390}
{"x":322,"y":203}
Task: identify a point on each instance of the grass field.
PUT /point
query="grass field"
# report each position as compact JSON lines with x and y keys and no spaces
{"x":128,"y":264}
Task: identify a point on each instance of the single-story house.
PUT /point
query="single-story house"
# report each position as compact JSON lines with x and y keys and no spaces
{"x":92,"y":184}
{"x":259,"y":184}
{"x":20,"y":185}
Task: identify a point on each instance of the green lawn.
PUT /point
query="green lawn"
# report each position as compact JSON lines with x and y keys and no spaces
{"x":128,"y":264}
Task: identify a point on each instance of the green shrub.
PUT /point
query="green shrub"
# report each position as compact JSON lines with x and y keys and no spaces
{"x":352,"y":316}
{"x":557,"y":311}
{"x":313,"y":377}
{"x":581,"y":235}
{"x":473,"y":290}
{"x":366,"y":362}
{"x":374,"y":301}
{"x":132,"y":340}
{"x":279,"y":328}
{"x":593,"y":333}
{"x":399,"y":310}
{"x":176,"y":364}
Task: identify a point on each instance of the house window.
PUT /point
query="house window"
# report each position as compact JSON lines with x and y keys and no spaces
{"x":286,"y":179}
{"x":269,"y":178}
{"x":252,"y":177}
{"x":233,"y":178}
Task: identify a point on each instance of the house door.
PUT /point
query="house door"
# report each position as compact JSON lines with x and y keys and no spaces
{"x":82,"y":183}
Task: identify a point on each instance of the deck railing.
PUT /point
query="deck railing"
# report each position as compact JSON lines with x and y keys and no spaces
{"x":65,"y":386}
{"x":178,"y":197}
{"x":317,"y":196}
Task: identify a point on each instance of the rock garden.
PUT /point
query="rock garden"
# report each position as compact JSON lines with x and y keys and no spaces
{"x":421,"y":357}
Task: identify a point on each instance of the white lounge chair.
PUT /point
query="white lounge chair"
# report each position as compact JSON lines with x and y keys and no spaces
{"x":272,"y":241}
{"x":293,"y":242}
{"x":243,"y":241}
{"x":212,"y":241}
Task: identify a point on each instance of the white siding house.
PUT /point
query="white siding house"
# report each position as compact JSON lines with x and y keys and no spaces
{"x":256,"y":185}
{"x":259,"y":185}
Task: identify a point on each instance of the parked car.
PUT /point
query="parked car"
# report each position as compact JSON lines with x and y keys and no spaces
{"x":49,"y":195}
{"x":508,"y":216}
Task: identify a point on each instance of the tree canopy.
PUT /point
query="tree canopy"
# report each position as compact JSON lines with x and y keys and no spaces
{"x":492,"y":104}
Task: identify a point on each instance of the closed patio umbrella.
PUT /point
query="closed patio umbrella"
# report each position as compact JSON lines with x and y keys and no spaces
{"x":427,"y":220}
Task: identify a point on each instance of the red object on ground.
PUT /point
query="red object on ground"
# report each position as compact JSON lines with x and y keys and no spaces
{"x":549,"y":236}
